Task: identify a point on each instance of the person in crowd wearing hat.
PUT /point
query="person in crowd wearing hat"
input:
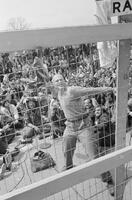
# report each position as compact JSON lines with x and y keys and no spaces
{"x":78,"y":124}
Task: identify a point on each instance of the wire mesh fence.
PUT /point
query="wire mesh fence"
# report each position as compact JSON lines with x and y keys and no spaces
{"x":35,"y":142}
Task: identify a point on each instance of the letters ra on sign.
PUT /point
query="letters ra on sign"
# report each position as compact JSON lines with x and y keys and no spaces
{"x":121,"y":7}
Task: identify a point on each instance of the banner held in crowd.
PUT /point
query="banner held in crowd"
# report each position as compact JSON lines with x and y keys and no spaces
{"x":107,"y":50}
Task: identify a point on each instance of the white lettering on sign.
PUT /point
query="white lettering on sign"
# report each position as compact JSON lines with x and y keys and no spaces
{"x":121,"y":7}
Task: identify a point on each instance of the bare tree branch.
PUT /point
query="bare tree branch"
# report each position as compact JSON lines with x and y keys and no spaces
{"x":18,"y":23}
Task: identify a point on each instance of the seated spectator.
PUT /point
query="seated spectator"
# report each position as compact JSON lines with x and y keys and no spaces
{"x":34,"y":118}
{"x":11,"y":112}
{"x":33,"y":115}
{"x":9,"y":122}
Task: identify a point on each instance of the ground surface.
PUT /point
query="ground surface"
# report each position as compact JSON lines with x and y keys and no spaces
{"x":22,"y":176}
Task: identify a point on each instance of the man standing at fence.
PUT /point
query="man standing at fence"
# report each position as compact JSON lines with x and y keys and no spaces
{"x":78,"y":124}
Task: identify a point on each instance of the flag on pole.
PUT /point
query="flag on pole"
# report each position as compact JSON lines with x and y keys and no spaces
{"x":107,"y":50}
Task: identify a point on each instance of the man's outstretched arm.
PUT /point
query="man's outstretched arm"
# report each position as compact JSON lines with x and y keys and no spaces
{"x":79,"y":91}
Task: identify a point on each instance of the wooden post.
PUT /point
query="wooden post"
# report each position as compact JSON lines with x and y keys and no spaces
{"x":121,"y":111}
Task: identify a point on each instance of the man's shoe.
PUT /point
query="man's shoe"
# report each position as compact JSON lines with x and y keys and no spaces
{"x":66,"y":168}
{"x":111,"y":189}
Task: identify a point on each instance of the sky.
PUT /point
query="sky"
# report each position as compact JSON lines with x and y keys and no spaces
{"x":48,"y":13}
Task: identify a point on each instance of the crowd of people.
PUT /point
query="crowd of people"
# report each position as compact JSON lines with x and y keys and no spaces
{"x":25,"y":77}
{"x":29,"y":101}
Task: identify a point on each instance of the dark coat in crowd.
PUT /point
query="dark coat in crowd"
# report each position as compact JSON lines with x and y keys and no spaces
{"x":105,"y":130}
{"x":58,"y":122}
